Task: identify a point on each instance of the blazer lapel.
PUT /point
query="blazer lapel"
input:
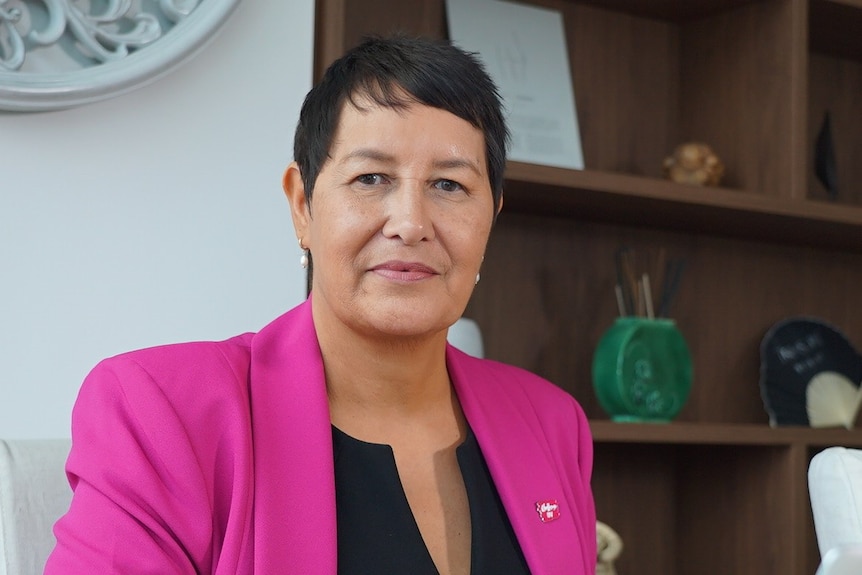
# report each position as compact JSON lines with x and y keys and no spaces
{"x":518,"y":456}
{"x":295,"y":522}
{"x":294,"y":509}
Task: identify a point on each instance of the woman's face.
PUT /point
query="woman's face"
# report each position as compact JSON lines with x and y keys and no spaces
{"x":399,"y":220}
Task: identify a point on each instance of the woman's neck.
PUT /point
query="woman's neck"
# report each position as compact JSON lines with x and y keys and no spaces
{"x":377,"y":386}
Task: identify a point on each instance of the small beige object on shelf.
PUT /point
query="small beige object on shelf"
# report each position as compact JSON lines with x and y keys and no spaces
{"x":693,"y":163}
{"x":610,"y":545}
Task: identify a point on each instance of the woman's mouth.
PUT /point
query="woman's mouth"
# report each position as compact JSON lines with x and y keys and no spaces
{"x":404,"y":271}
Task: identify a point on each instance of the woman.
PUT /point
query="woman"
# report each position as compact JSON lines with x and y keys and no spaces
{"x":347,"y":436}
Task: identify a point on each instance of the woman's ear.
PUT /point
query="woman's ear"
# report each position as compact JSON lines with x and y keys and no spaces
{"x":499,"y":209}
{"x":294,"y":189}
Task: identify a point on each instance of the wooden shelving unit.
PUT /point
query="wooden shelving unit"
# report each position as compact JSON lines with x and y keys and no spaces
{"x":605,"y":431}
{"x":621,"y":198}
{"x":717,"y":490}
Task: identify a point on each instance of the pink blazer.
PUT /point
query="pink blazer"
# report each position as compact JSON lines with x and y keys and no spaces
{"x":217,"y":458}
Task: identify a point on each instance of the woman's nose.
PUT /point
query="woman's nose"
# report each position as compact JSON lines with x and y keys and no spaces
{"x":408,"y":214}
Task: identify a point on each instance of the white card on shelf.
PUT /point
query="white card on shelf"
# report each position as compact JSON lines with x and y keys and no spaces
{"x":524,"y":50}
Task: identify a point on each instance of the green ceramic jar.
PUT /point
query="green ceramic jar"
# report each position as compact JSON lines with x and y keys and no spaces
{"x":642,"y":370}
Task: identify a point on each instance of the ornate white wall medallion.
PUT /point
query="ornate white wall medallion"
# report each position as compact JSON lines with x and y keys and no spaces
{"x":61,"y":53}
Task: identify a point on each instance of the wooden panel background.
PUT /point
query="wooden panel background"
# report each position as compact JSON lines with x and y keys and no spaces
{"x":734,"y":512}
{"x":546,"y":297}
{"x":644,"y":85}
{"x":636,"y":493}
{"x":679,"y":508}
{"x":835,"y":85}
{"x":625,"y":73}
{"x":647,"y":75}
{"x":739,"y":84}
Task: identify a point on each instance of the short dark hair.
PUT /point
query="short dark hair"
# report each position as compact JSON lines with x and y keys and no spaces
{"x":395,"y":72}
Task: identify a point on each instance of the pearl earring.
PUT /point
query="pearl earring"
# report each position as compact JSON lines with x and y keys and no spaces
{"x":303,"y":259}
{"x":478,"y":276}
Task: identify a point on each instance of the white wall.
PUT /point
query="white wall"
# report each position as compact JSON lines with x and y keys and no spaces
{"x":150,"y":218}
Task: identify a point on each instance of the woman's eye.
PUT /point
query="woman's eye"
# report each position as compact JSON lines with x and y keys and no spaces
{"x":448,"y":185}
{"x":370,"y":179}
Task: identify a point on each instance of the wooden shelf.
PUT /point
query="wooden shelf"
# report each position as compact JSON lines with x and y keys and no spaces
{"x":606,"y":431}
{"x":754,"y":79}
{"x":669,"y":10}
{"x":652,"y":202}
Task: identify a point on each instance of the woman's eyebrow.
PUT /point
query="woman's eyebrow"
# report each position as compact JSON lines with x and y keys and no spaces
{"x":369,"y":154}
{"x":384,"y":157}
{"x":455,"y":163}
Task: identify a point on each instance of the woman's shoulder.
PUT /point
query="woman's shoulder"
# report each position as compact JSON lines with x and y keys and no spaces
{"x":183,"y":378}
{"x":192,"y":378}
{"x":180,"y":359}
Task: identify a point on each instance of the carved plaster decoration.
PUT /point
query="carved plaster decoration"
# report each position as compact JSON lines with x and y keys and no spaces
{"x":57,"y":54}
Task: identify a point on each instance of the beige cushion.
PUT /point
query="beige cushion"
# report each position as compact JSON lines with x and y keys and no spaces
{"x":34,"y":493}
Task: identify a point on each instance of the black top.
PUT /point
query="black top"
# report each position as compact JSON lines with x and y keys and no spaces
{"x":377,"y":533}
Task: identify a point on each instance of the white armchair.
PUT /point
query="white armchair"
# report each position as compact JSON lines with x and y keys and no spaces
{"x":34,"y":493}
{"x":835,"y":487}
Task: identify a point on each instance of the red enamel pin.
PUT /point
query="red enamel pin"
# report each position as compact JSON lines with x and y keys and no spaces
{"x":548,"y":510}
